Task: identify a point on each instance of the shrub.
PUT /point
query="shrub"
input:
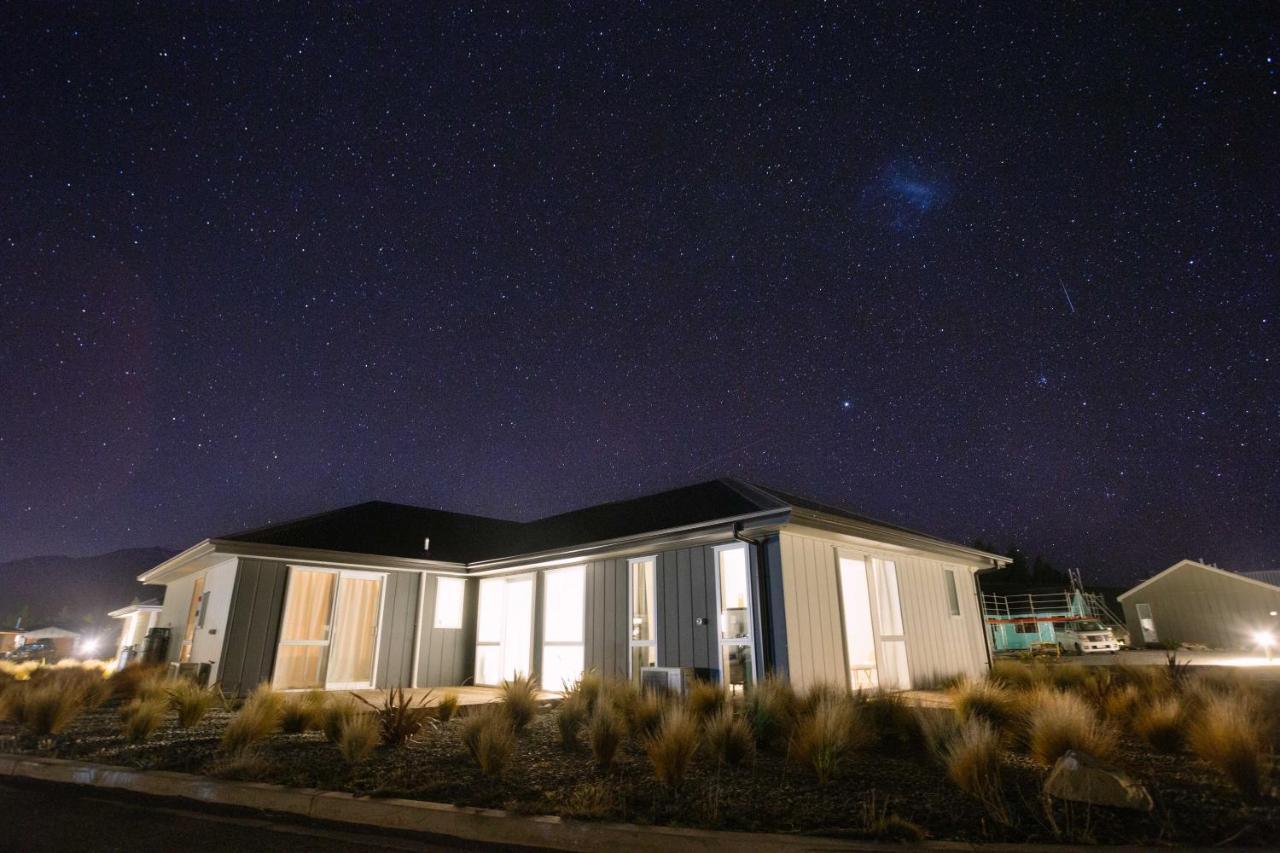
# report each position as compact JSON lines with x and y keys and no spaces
{"x":191,"y":701}
{"x":399,"y":717}
{"x":987,"y":702}
{"x":823,"y":740}
{"x":489,"y":738}
{"x":605,"y":734}
{"x":1012,"y":675}
{"x":890,"y":722}
{"x":257,"y":718}
{"x":47,"y":709}
{"x":728,"y":738}
{"x":570,"y":719}
{"x":1059,"y":721}
{"x":672,"y":747}
{"x":704,"y":699}
{"x":358,"y":737}
{"x":1161,"y":724}
{"x":142,"y":717}
{"x":303,"y":712}
{"x":770,"y":711}
{"x":1231,"y":734}
{"x":972,"y":759}
{"x":447,"y":707}
{"x":337,"y":711}
{"x":518,"y":698}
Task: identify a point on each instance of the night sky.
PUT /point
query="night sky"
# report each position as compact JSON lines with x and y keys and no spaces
{"x":992,"y":271}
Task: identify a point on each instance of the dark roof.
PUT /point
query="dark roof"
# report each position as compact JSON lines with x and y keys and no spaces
{"x":398,"y":530}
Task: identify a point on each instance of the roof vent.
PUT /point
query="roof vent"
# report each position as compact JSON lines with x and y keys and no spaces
{"x":426,"y":543}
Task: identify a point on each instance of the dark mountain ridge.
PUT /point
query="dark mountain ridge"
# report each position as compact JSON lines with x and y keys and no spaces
{"x":75,"y":591}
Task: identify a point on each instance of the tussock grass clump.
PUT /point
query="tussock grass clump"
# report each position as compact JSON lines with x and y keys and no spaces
{"x":1148,"y":680}
{"x":1231,"y":734}
{"x":704,"y":699}
{"x":891,"y":722}
{"x":883,"y":825}
{"x":489,"y":738}
{"x":1058,"y":721}
{"x":972,"y":759}
{"x":126,"y":682}
{"x":937,"y":727}
{"x":729,"y":738}
{"x":823,"y":740}
{"x":47,"y":709}
{"x":358,"y":737}
{"x":518,"y":698}
{"x":399,"y":718}
{"x":672,"y":747}
{"x":1122,"y":704}
{"x":337,"y":711}
{"x":644,"y":714}
{"x":18,"y":671}
{"x":11,"y":702}
{"x":303,"y":712}
{"x":256,"y":720}
{"x":570,"y":719}
{"x":770,"y":711}
{"x":818,"y":694}
{"x":589,"y":689}
{"x":191,"y":701}
{"x":1161,"y":723}
{"x":1070,"y":676}
{"x":447,"y":707}
{"x":987,"y":702}
{"x":604,"y":734}
{"x":141,"y":718}
{"x":1012,"y":675}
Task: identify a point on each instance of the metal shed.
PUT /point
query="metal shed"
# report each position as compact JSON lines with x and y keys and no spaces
{"x":1194,"y":602}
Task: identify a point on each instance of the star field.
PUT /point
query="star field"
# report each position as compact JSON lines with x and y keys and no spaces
{"x":992,"y":271}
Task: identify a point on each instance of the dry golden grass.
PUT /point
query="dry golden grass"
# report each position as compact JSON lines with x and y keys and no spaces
{"x":490,"y":739}
{"x":141,"y":717}
{"x":18,"y":671}
{"x":337,"y":711}
{"x":770,"y":711}
{"x":890,"y":722}
{"x":644,"y":714}
{"x":518,"y":698}
{"x":570,"y":718}
{"x":1058,"y":721}
{"x":1231,"y":733}
{"x":972,"y":759}
{"x":824,"y":740}
{"x":1012,"y":675}
{"x":987,"y":702}
{"x":807,"y":703}
{"x":447,"y":707}
{"x":124,"y":684}
{"x":605,"y":734}
{"x":191,"y":701}
{"x":728,"y":738}
{"x":47,"y":709}
{"x":1122,"y":703}
{"x":257,"y":719}
{"x":358,"y":737}
{"x":672,"y":747}
{"x":303,"y":712}
{"x":1161,"y":724}
{"x":704,"y":699}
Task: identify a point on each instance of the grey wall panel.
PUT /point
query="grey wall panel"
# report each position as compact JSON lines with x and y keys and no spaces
{"x":775,"y":623}
{"x":446,"y":654}
{"x":605,"y":634}
{"x":1193,"y":604}
{"x":396,"y":635}
{"x":253,"y":624}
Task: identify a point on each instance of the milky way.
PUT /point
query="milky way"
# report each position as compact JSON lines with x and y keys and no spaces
{"x":516,"y":260}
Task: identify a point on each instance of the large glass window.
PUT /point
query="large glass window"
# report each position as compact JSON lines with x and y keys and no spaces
{"x":194,"y":617}
{"x":643,"y":607}
{"x":894,"y":674}
{"x":329,"y":632}
{"x":859,"y":634}
{"x":563,"y":626}
{"x":448,"y":613}
{"x":733,"y":585}
{"x":953,"y":596}
{"x":504,"y":628}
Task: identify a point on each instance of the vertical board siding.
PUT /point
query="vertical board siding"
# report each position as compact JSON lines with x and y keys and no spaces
{"x":606,"y":638}
{"x":1196,"y":605}
{"x":938,"y":644}
{"x":253,"y":624}
{"x":397,"y":631}
{"x":445,"y":654}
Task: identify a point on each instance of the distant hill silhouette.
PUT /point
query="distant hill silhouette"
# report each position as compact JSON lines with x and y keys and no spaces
{"x":75,"y":591}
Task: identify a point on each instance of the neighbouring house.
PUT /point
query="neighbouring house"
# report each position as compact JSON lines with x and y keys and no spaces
{"x":1194,"y":602}
{"x":135,"y":621}
{"x":722,"y":580}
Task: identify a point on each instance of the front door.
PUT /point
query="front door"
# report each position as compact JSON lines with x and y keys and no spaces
{"x":1148,"y":624}
{"x":504,"y":629}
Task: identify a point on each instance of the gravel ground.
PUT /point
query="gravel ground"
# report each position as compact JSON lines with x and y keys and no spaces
{"x":1193,"y":805}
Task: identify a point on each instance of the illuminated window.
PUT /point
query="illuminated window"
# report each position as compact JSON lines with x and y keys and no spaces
{"x":194,"y":618}
{"x":449,"y":602}
{"x":894,"y":673}
{"x":953,"y":597}
{"x":563,"y":626}
{"x":733,"y":586}
{"x":643,"y":607}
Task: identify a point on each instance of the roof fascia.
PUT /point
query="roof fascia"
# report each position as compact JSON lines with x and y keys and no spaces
{"x":880,"y":534}
{"x":1193,"y":563}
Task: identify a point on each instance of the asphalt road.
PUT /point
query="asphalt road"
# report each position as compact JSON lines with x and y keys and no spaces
{"x":38,"y":817}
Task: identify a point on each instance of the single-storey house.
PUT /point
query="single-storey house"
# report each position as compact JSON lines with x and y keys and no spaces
{"x":1194,"y":602}
{"x":136,"y":620}
{"x":724,"y":580}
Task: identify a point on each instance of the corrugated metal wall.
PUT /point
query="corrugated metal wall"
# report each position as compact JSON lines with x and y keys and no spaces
{"x":447,"y":655}
{"x":1195,"y":605}
{"x":253,"y":625}
{"x":938,"y":644}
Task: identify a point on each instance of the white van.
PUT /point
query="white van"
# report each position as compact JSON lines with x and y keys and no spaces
{"x":1084,"y":636}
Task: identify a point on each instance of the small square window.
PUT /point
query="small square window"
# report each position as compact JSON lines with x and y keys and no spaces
{"x":449,"y":603}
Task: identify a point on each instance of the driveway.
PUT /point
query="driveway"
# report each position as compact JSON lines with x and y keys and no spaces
{"x":1254,"y":666}
{"x":50,"y":818}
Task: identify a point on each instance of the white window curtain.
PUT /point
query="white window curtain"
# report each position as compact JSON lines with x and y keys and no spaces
{"x":449,"y":593}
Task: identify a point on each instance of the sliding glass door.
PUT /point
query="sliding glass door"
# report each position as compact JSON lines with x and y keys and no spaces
{"x":329,"y":633}
{"x":859,"y":633}
{"x":875,"y":642}
{"x":564,"y":622}
{"x":642,"y":597}
{"x":504,"y":629}
{"x":736,"y":630}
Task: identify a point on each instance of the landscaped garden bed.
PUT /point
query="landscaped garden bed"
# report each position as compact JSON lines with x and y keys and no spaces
{"x":823,"y":763}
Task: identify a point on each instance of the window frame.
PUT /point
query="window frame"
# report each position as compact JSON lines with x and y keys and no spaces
{"x":460,"y":613}
{"x":652,"y":642}
{"x":749,"y":641}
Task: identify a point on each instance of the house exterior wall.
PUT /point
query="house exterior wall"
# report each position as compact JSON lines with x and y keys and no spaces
{"x":1192,"y":604}
{"x":446,"y":656}
{"x":207,"y":641}
{"x":938,"y":644}
{"x":394,"y":665}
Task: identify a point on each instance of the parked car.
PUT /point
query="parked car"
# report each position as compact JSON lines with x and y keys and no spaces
{"x":43,"y":650}
{"x":1084,"y":636}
